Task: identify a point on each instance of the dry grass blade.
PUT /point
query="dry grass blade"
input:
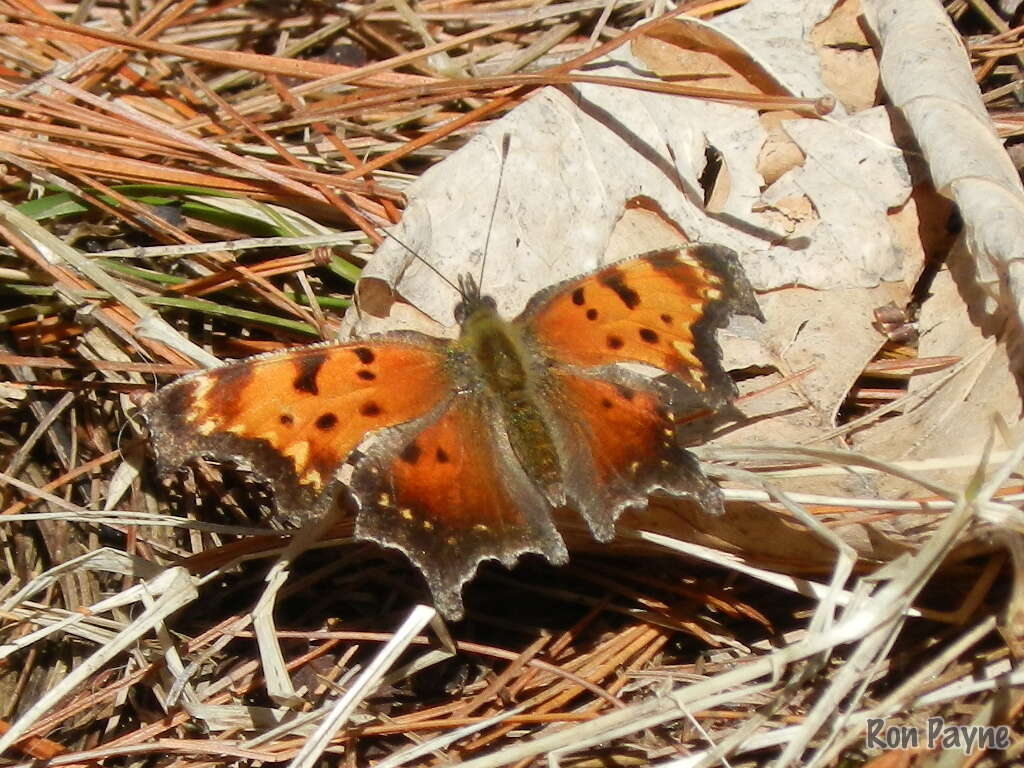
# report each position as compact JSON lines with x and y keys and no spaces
{"x":362,"y":686}
{"x":867,"y":618}
{"x":173,"y":588}
{"x":188,"y":182}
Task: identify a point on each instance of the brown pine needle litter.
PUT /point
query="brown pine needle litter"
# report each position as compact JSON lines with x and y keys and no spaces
{"x":189,"y":181}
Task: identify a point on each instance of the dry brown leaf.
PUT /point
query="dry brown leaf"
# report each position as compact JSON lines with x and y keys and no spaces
{"x":848,"y":65}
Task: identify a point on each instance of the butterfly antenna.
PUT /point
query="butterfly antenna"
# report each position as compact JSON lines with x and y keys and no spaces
{"x":425,"y":263}
{"x":506,"y":140}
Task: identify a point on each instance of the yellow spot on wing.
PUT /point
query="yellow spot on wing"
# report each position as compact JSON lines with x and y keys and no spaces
{"x":406,"y":513}
{"x":313,"y":478}
{"x":685,"y":351}
{"x":299,"y":453}
{"x":198,"y":404}
{"x":207,"y":427}
{"x":201,"y":390}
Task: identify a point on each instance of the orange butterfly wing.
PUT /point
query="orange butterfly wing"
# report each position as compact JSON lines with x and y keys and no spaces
{"x":296,"y":416}
{"x":437,"y":482}
{"x":448,"y":493}
{"x":660,"y":309}
{"x":617,"y":430}
{"x":441,"y":480}
{"x":620,"y":445}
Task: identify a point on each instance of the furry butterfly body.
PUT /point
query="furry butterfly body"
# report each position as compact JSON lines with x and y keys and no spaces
{"x":462,"y":449}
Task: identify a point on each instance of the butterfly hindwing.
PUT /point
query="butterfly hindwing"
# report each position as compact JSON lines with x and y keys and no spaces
{"x":295,"y":416}
{"x":660,"y":309}
{"x":449,"y":494}
{"x":619,"y":445}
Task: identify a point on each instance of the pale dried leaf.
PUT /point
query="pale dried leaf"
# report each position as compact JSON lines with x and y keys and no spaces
{"x":960,"y":417}
{"x":848,"y":64}
{"x":927,"y":74}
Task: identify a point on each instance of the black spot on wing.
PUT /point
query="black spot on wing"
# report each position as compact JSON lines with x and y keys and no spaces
{"x":308,"y":369}
{"x":286,"y":419}
{"x":370,"y":408}
{"x":365,"y":355}
{"x":627,"y":295}
{"x":366,"y":375}
{"x":614,"y":342}
{"x":651,"y":337}
{"x":591,"y":314}
{"x":411,"y":453}
{"x":233,"y":378}
{"x":326,"y":421}
{"x":578,"y":298}
{"x":442,"y":456}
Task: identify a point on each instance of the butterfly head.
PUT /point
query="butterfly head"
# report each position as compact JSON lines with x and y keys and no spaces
{"x":473,"y":302}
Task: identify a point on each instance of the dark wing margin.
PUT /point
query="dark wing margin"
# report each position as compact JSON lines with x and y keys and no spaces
{"x":448,"y":493}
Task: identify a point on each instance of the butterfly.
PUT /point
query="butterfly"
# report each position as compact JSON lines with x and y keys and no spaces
{"x":460,"y":450}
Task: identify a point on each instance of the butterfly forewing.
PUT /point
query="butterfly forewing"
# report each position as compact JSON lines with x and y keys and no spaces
{"x":660,"y":309}
{"x":296,"y":416}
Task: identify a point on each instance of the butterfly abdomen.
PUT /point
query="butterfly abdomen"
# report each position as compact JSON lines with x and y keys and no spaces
{"x":504,"y":365}
{"x":534,"y":447}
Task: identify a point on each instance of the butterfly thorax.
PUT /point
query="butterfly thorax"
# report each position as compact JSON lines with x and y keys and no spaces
{"x":511,"y":376}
